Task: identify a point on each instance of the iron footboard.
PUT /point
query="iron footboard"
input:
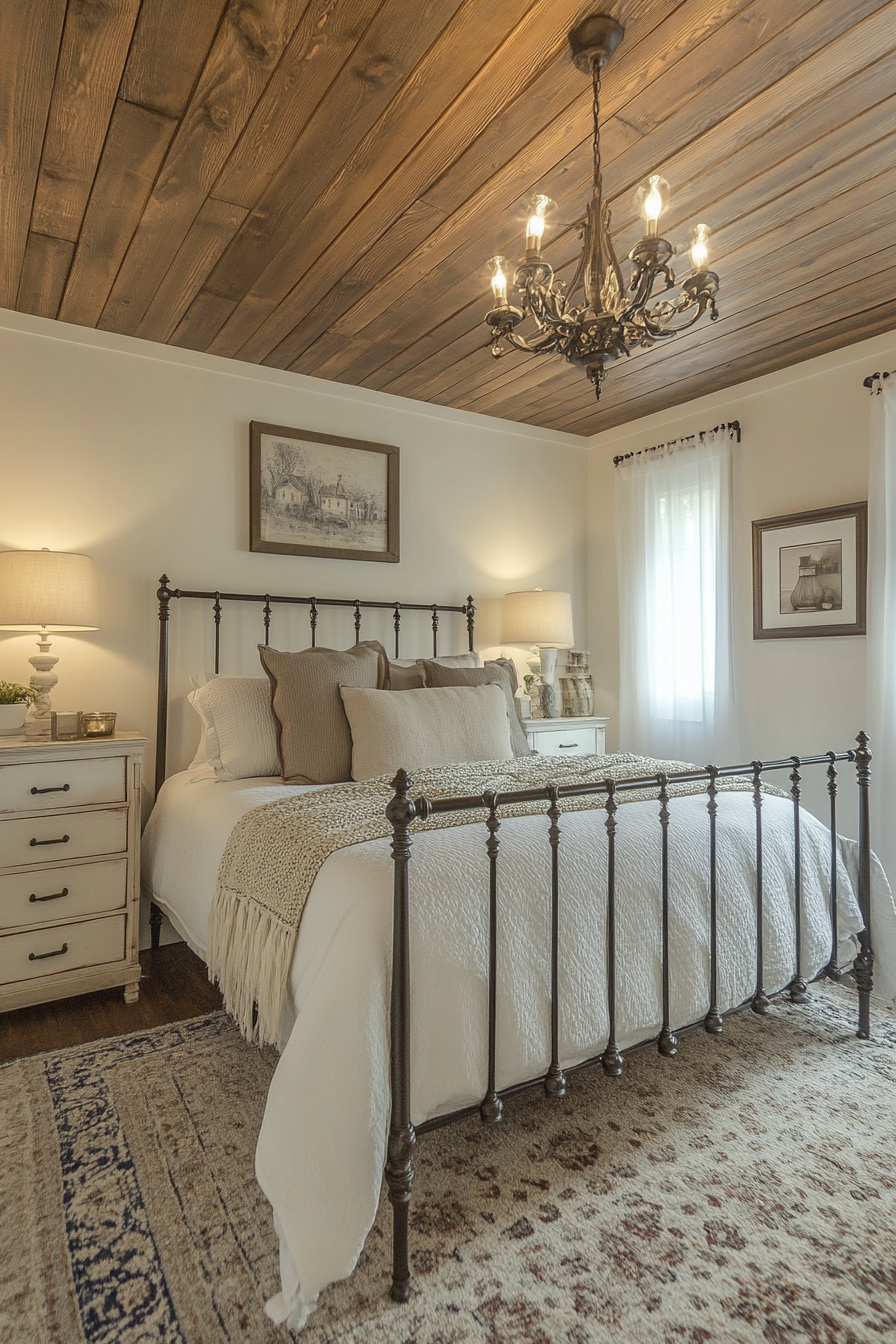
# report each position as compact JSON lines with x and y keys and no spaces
{"x":402,"y":811}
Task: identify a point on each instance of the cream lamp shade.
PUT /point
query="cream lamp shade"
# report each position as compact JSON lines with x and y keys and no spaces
{"x":46,"y":591}
{"x":539,"y":616}
{"x":51,"y":590}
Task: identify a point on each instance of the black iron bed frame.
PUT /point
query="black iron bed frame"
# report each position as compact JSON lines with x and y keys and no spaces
{"x":402,"y":811}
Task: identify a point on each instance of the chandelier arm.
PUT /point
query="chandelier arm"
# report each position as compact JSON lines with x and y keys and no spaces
{"x":658,"y":329}
{"x":548,"y":310}
{"x":537,"y":346}
{"x":644,"y":278}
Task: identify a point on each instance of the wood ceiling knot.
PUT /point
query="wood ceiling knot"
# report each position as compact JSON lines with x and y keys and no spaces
{"x":379,"y":72}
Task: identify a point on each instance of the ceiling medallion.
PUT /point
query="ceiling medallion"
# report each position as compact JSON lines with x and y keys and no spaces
{"x":612,"y":319}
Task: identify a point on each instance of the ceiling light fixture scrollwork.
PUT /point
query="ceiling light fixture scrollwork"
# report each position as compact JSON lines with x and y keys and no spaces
{"x":612,"y":319}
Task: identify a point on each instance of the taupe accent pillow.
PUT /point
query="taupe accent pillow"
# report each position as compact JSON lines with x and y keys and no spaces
{"x":405,"y":674}
{"x":313,"y":737}
{"x":495,"y":673}
{"x":392,"y":730}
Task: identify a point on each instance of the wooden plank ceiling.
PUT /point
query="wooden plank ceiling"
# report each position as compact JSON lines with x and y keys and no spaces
{"x":316,"y":185}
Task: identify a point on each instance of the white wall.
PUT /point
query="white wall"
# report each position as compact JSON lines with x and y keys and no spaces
{"x":805,"y":446}
{"x":138,"y":455}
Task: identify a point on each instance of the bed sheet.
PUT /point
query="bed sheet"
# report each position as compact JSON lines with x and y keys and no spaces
{"x":322,"y":1144}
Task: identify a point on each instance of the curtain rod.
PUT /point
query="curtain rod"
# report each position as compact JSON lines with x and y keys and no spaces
{"x":733,"y":428}
{"x":875,"y":382}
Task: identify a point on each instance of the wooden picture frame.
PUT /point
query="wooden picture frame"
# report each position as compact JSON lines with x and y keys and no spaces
{"x":810,"y":573}
{"x":321,"y":495}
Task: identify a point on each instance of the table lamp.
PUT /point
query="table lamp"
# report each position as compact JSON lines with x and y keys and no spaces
{"x":542,"y":618}
{"x":46,"y":591}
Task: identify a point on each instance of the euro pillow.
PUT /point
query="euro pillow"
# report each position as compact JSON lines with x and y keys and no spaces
{"x":405,"y":674}
{"x":391,"y":730}
{"x":239,"y":731}
{"x":313,"y":739}
{"x":497,"y":673}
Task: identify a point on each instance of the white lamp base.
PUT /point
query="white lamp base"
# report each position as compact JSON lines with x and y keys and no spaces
{"x":37,"y":720}
{"x":549,"y":692}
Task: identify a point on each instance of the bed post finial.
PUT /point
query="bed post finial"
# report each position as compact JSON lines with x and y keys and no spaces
{"x":863,"y":966}
{"x":400,"y":812}
{"x":471,"y":620}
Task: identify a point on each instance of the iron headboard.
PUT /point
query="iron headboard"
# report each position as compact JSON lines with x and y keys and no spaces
{"x":268,"y":600}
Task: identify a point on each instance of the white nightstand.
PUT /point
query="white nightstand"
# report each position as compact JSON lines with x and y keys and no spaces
{"x":567,"y":737}
{"x":69,"y":867}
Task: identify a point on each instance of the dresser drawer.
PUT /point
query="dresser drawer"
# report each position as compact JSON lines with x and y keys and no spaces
{"x":62,"y":783}
{"x":561,"y":741}
{"x":30,"y":956}
{"x":52,"y":894}
{"x":75,"y":835}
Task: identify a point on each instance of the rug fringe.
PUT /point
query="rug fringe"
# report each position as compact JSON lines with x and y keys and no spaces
{"x":249,"y":957}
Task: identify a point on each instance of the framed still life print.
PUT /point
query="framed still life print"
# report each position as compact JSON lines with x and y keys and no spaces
{"x":316,"y":494}
{"x":810,"y":573}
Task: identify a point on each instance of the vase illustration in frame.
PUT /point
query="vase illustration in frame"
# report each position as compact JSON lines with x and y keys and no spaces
{"x":810,"y":573}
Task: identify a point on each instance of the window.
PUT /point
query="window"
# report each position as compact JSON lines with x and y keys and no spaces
{"x":673,"y":550}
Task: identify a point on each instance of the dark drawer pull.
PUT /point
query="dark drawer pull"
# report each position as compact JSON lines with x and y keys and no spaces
{"x":565,"y":746}
{"x":42,"y":956}
{"x":54,"y":896}
{"x":59,"y":788}
{"x":62,"y":840}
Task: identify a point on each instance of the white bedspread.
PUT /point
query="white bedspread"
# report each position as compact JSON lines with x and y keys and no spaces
{"x":322,"y":1145}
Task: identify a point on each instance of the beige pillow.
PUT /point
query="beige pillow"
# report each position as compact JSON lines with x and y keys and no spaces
{"x":313,"y":737}
{"x":405,"y":674}
{"x":494,"y":673}
{"x":411,"y":729}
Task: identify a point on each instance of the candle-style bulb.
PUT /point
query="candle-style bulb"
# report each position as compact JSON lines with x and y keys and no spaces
{"x":535,"y":223}
{"x":654,"y":197}
{"x":700,"y":247}
{"x":499,"y":281}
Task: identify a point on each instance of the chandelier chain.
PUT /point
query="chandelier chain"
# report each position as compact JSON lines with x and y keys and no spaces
{"x":595,"y":85}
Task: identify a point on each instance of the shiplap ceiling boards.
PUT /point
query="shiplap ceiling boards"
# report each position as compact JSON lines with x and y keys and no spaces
{"x":317,"y":185}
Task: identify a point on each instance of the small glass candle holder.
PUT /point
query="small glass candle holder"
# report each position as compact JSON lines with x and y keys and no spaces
{"x":96,"y":723}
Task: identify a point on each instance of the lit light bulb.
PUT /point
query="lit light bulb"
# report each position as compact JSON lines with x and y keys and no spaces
{"x":499,"y":281}
{"x":700,"y":247}
{"x":535,"y":223}
{"x":654,"y":197}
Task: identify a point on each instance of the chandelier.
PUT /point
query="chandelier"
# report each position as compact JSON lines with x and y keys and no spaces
{"x":595,"y":319}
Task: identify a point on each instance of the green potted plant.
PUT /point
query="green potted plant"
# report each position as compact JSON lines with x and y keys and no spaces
{"x":14,"y":702}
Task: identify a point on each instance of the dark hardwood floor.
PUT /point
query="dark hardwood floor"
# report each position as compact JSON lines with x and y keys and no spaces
{"x":174,"y":987}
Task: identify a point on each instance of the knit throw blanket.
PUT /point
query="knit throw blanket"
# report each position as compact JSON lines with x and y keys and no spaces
{"x":275,"y":852}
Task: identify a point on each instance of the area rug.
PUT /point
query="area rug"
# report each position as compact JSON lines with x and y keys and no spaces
{"x":743,"y":1192}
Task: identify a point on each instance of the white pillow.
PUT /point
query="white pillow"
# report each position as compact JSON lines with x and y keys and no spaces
{"x":417,"y":728}
{"x":201,"y":757}
{"x":239,"y":739}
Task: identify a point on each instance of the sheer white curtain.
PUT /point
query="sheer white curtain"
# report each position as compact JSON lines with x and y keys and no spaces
{"x":673,"y":551}
{"x":882,"y":625}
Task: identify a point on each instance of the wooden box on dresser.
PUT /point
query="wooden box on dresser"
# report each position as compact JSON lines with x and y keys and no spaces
{"x":69,"y":867}
{"x":567,"y":737}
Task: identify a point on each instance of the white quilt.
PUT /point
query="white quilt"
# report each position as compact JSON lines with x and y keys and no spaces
{"x":322,"y":1145}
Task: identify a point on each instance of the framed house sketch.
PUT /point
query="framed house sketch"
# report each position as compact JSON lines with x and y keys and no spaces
{"x":810,"y":573}
{"x":316,"y":494}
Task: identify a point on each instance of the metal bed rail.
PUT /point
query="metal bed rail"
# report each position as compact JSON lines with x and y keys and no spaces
{"x":402,"y":811}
